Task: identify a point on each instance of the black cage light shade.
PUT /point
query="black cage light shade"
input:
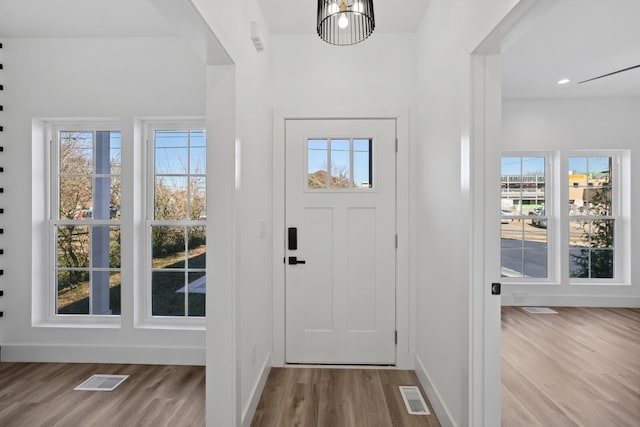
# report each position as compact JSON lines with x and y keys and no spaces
{"x":345,"y":22}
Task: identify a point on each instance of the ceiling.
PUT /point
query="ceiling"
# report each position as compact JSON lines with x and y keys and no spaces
{"x":299,"y":16}
{"x":579,"y":40}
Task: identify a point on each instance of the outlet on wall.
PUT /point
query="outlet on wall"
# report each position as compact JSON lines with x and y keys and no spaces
{"x":519,"y":297}
{"x":253,"y":353}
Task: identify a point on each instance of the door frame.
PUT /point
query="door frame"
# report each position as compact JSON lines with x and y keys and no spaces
{"x":405,"y":313}
{"x":485,"y":151}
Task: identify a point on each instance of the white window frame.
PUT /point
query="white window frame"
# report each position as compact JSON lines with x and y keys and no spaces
{"x":52,"y":131}
{"x":550,"y":203}
{"x":354,"y":189}
{"x":144,"y":306}
{"x":619,"y":192}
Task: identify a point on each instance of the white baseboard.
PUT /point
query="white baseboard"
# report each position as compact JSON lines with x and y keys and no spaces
{"x":56,"y":353}
{"x":439,"y":407}
{"x":572,"y":300}
{"x":250,"y":408}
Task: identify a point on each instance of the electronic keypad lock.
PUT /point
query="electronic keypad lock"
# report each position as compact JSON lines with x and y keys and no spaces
{"x":495,"y":288}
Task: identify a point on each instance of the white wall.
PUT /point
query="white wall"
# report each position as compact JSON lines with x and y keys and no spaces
{"x":79,"y":78}
{"x":309,"y":75}
{"x":230,"y":22}
{"x":449,"y":32}
{"x":580,"y":124}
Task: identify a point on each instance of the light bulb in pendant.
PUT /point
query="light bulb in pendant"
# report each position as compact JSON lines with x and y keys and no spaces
{"x":343,"y":22}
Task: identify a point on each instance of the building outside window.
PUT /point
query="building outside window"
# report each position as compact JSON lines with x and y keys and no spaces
{"x":524,"y":246}
{"x":593,"y":213}
{"x":590,"y":215}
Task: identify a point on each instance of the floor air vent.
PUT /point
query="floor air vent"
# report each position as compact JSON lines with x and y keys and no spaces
{"x":539,"y":310}
{"x":413,"y":400}
{"x":102,"y":382}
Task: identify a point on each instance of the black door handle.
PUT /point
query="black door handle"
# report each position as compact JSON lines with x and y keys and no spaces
{"x":293,"y":260}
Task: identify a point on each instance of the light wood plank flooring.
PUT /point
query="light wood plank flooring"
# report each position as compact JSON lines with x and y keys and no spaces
{"x":326,"y":397}
{"x":580,"y":367}
{"x":33,"y":395}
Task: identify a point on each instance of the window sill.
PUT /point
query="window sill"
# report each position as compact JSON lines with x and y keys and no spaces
{"x":173,"y":324}
{"x":595,"y":283}
{"x":82,"y":322}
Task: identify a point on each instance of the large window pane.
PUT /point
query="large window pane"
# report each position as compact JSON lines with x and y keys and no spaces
{"x":167,"y":293}
{"x":523,"y":181}
{"x":105,"y":247}
{"x":72,"y":292}
{"x":76,"y":197}
{"x":523,"y":217}
{"x":197,"y":294}
{"x":591,"y":236}
{"x":171,"y":152}
{"x":76,"y":153}
{"x":198,"y":201}
{"x":197,"y":247}
{"x":591,"y":248}
{"x":178,"y":251}
{"x":168,"y":247}
{"x":198,"y":156}
{"x":170,"y":197}
{"x":523,"y":250}
{"x":590,"y":186}
{"x":105,"y":293}
{"x":87,"y":255}
{"x":73,"y":248}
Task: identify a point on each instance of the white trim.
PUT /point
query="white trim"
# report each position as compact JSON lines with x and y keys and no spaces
{"x":404,"y":309}
{"x":554,"y":229}
{"x":61,"y":353}
{"x":143,"y":306}
{"x":223,"y":372}
{"x":484,"y":320}
{"x":433,"y":395}
{"x":574,"y":300}
{"x":254,"y":398}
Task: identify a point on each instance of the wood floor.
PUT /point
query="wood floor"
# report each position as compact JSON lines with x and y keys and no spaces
{"x":580,"y":367}
{"x":325,"y":397}
{"x":33,"y":395}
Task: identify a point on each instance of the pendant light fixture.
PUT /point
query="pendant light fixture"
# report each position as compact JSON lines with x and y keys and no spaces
{"x":343,"y":23}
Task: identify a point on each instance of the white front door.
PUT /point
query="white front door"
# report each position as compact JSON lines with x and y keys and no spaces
{"x":340,"y":254}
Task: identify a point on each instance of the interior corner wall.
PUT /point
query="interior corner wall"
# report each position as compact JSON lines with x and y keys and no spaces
{"x":449,"y":32}
{"x":579,"y":124}
{"x":85,"y":78}
{"x":230,"y":22}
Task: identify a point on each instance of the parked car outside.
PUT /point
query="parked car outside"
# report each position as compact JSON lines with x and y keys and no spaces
{"x":503,"y":214}
{"x":536,"y":221}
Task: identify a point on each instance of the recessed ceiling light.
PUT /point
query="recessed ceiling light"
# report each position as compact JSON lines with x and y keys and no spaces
{"x":563,"y":81}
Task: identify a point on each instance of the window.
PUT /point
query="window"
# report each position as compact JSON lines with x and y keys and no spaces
{"x":589,"y":247}
{"x":339,"y":164}
{"x":592,"y":217}
{"x":176,"y":218}
{"x":524,"y":251}
{"x":85,"y":220}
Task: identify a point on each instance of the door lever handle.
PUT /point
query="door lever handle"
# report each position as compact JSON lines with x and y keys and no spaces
{"x":293,"y":260}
